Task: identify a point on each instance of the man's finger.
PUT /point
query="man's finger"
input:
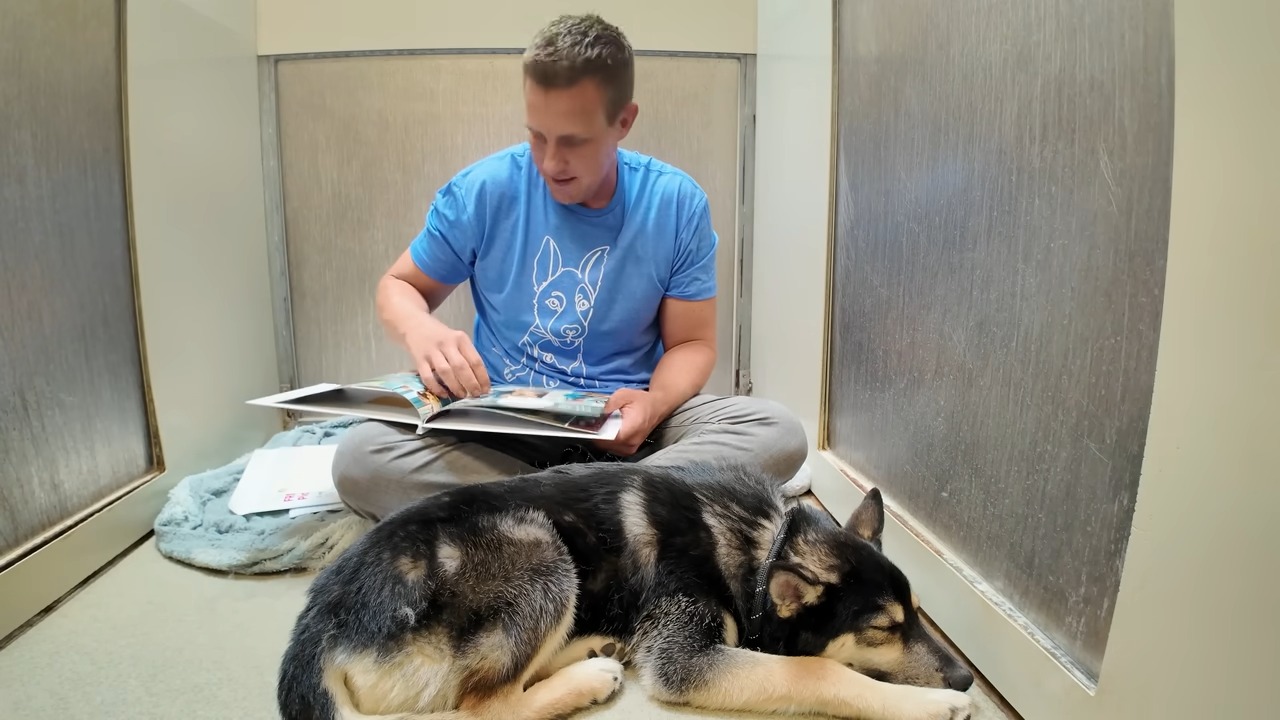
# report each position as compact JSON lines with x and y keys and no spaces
{"x":476,"y":364}
{"x":430,"y":382}
{"x":617,"y":400}
{"x":466,"y":377}
{"x":624,"y":443}
{"x":427,"y":376}
{"x":440,"y":364}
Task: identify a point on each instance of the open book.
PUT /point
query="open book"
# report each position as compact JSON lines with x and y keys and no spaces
{"x":402,"y":398}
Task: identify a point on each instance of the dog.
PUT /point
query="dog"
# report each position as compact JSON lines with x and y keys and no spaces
{"x":524,"y":599}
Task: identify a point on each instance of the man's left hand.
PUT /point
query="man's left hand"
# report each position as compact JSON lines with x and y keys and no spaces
{"x":640,"y":415}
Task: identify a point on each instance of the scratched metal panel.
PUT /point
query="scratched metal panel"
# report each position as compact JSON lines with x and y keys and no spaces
{"x":366,"y":141}
{"x":1001,"y":219}
{"x":73,"y":422}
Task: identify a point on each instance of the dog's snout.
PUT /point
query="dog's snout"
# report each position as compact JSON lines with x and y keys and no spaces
{"x":959,"y":678}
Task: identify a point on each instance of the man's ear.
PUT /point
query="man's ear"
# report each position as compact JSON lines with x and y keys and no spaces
{"x":627,"y":119}
{"x":792,"y":589}
{"x":867,"y":520}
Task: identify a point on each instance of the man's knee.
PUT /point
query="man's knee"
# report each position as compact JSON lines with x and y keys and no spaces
{"x":758,"y":431}
{"x":380,"y":467}
{"x":356,"y":467}
{"x":780,"y":432}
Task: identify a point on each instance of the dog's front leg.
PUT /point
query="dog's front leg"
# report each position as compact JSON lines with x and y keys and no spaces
{"x":725,"y":678}
{"x":681,"y":658}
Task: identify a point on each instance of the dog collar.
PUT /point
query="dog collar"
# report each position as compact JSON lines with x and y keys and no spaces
{"x":761,"y":600}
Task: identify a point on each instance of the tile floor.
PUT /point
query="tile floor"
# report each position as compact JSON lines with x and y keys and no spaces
{"x":151,"y":639}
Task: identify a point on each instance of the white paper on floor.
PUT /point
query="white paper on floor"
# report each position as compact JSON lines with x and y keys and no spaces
{"x":286,"y":478}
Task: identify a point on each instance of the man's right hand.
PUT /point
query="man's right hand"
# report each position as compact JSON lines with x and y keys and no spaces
{"x":446,"y":360}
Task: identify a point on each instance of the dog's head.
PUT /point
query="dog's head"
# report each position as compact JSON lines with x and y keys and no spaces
{"x":565,"y":297}
{"x":836,"y":595}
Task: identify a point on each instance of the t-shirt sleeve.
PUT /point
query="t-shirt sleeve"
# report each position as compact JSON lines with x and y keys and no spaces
{"x":445,"y":249}
{"x":693,"y":275}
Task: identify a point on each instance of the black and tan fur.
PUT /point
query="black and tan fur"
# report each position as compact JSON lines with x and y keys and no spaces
{"x":521,"y":599}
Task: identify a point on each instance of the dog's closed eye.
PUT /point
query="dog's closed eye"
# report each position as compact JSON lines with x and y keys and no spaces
{"x":879,"y":632}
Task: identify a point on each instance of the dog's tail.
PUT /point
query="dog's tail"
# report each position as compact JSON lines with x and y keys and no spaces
{"x":301,"y":692}
{"x":310,"y":689}
{"x":336,"y":692}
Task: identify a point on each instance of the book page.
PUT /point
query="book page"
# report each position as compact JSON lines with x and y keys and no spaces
{"x":408,"y":386}
{"x":558,"y":401}
{"x":487,"y":420}
{"x":555,"y":401}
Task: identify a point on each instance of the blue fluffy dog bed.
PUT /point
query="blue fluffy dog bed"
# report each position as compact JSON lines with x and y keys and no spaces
{"x":197,"y":528}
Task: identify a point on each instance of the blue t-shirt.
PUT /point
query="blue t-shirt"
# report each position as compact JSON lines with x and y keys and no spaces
{"x":565,"y":294}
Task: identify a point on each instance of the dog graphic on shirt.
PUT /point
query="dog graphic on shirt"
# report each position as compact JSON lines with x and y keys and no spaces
{"x":563,"y":301}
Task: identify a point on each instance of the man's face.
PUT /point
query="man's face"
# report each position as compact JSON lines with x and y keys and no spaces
{"x":573,"y":143}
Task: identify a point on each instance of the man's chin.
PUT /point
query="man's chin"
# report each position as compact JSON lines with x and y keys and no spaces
{"x":564,"y":196}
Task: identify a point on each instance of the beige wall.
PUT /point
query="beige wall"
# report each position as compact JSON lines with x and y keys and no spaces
{"x":1192,"y":633}
{"x":792,"y":189}
{"x":1196,"y":620}
{"x":307,"y":26}
{"x":200,"y":221}
{"x":198,"y":212}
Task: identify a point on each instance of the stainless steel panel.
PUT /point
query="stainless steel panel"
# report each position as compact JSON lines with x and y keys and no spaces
{"x":366,"y":141}
{"x":73,"y":417}
{"x":1001,"y":217}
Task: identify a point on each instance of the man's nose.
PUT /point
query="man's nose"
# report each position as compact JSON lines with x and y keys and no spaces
{"x":553,"y":160}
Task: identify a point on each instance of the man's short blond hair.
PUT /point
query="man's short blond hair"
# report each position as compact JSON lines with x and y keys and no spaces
{"x":573,"y":48}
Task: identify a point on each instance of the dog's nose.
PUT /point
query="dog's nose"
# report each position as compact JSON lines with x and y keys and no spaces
{"x":571,"y":330}
{"x":959,"y":679}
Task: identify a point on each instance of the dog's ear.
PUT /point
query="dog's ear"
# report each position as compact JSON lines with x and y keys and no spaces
{"x":547,"y":263}
{"x":867,"y":520}
{"x":592,"y":269}
{"x":791,"y":589}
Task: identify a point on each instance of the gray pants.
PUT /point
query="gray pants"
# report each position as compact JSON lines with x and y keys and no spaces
{"x":380,"y":467}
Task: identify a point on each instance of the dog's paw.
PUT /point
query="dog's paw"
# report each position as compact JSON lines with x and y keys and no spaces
{"x":609,"y":649}
{"x":587,"y":647}
{"x":582,"y":648}
{"x":600,"y":678}
{"x":931,"y":704}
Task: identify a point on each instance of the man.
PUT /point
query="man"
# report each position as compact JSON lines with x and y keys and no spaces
{"x":591,"y":267}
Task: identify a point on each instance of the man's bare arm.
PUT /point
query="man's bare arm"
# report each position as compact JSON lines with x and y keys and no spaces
{"x":689,"y":339}
{"x":406,"y":296}
{"x":406,"y":300}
